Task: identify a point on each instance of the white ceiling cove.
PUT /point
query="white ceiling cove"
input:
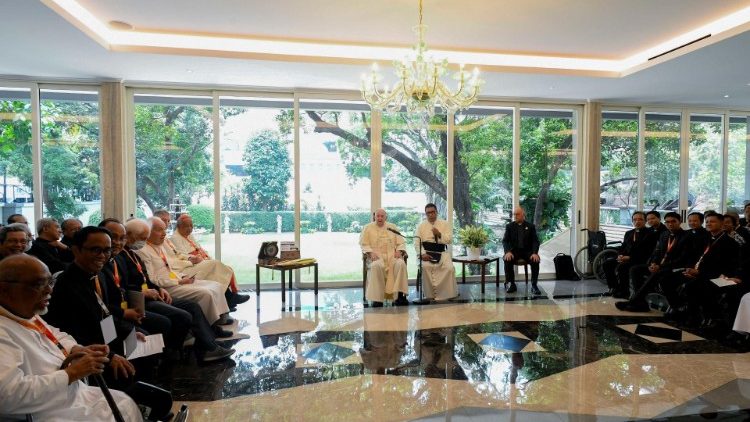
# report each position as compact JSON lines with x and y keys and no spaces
{"x":40,"y":42}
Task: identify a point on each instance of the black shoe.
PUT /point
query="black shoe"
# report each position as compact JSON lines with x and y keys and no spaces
{"x":377,"y":304}
{"x":535,"y":289}
{"x":630,"y":306}
{"x":401,"y":300}
{"x":233,"y":309}
{"x":217,"y":354}
{"x":220,"y":332}
{"x":225,"y":320}
{"x":621,"y":294}
{"x":511,"y":289}
{"x":239,"y":299}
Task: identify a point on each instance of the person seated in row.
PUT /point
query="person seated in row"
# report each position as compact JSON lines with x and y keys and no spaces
{"x":78,"y":301}
{"x":639,"y":272}
{"x":438,"y":273}
{"x":637,"y":244}
{"x":208,"y":294}
{"x":183,"y":314}
{"x":47,"y":246}
{"x":17,"y":218}
{"x":13,"y":239}
{"x":69,"y":227}
{"x":669,"y":253}
{"x":745,"y":220}
{"x":386,"y":270}
{"x":520,"y":241}
{"x":186,"y":255}
{"x":719,"y":257}
{"x":42,"y":369}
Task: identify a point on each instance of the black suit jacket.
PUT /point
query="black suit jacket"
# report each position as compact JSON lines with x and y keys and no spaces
{"x":514,"y":232}
{"x":74,"y":309}
{"x":722,"y":257}
{"x":676,"y":257}
{"x":48,"y":254}
{"x":115,"y":294}
{"x":135,"y":277}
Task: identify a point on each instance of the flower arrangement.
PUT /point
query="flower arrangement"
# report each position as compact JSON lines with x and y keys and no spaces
{"x":473,"y":236}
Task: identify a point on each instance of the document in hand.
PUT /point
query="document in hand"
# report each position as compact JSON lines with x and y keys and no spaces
{"x":154,"y":344}
{"x":722,"y":282}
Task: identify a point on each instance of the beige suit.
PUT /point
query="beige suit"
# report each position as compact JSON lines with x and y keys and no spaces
{"x":386,"y":275}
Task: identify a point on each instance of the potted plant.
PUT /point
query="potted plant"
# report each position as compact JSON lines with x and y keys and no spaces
{"x":473,"y":237}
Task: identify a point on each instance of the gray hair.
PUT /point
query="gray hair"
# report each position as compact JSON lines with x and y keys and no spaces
{"x":44,"y":224}
{"x":137,"y":226}
{"x":69,"y":220}
{"x":15,"y":227}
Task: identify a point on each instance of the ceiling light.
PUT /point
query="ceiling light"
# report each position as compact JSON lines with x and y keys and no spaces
{"x":726,"y":95}
{"x":120,"y":26}
{"x":420,"y":88}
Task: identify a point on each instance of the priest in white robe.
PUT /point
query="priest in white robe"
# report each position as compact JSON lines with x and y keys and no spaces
{"x":192,"y":259}
{"x":31,"y":381}
{"x":208,"y":294}
{"x":386,"y":275}
{"x":438,"y":278}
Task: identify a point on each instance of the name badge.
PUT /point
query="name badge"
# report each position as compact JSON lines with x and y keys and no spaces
{"x":172,"y":275}
{"x":108,"y":329}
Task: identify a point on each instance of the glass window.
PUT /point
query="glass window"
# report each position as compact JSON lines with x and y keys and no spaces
{"x":738,"y":176}
{"x":15,"y":154}
{"x":661,"y":184}
{"x":173,"y":157}
{"x":618,"y":195}
{"x":70,"y":155}
{"x":335,"y":185}
{"x":257,"y":180}
{"x":414,"y":172}
{"x":704,"y":171}
{"x":548,"y":141}
{"x":483,"y":172}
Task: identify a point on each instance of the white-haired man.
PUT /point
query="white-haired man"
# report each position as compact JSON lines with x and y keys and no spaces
{"x":386,"y":275}
{"x":208,"y":294}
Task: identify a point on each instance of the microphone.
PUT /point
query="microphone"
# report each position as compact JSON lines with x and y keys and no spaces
{"x":394,"y":231}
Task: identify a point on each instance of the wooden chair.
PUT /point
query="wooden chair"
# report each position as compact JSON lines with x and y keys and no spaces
{"x":365,"y":261}
{"x":519,"y":263}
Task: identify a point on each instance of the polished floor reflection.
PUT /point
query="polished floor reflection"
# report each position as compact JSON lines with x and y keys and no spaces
{"x":567,"y":354}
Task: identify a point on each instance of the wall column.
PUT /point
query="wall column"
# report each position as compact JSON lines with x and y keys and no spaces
{"x":114,"y":178}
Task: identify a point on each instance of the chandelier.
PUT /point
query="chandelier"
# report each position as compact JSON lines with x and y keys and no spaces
{"x":420,"y":88}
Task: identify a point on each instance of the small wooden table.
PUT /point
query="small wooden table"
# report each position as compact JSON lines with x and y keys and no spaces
{"x":483,"y":261}
{"x":283,"y":269}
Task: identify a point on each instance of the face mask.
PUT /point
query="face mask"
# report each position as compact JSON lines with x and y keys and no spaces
{"x":138,"y":244}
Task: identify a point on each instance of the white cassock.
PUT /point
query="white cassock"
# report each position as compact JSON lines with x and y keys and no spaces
{"x":387,"y":275}
{"x":31,"y":381}
{"x":439,"y":279}
{"x":742,"y":320}
{"x":209,"y":295}
{"x":208,"y":269}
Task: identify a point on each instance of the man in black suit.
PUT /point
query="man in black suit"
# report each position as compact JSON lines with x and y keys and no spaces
{"x":669,"y":253}
{"x":47,"y":245}
{"x":719,"y":257}
{"x":745,"y":221}
{"x":521,"y":242}
{"x":77,"y":305}
{"x":634,"y":243}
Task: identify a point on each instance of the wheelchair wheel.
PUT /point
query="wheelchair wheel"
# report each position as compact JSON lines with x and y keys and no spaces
{"x":581,"y":263}
{"x":598,"y":265}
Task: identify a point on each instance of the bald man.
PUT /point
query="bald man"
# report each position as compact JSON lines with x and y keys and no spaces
{"x":42,"y":367}
{"x":520,"y":241}
{"x":386,"y":275}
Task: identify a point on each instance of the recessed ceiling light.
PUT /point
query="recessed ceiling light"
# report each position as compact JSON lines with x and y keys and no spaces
{"x":120,"y":26}
{"x":189,"y":70}
{"x":726,"y":95}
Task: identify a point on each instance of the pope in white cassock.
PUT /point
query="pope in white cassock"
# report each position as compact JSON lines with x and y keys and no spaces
{"x":31,"y":378}
{"x":208,"y":294}
{"x":386,"y":275}
{"x":438,"y":278}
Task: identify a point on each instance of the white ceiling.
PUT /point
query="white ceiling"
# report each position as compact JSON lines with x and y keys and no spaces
{"x":39,"y":43}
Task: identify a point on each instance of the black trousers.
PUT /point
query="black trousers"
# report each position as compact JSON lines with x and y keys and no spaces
{"x":510,"y":274}
{"x":204,"y":335}
{"x":179,"y":321}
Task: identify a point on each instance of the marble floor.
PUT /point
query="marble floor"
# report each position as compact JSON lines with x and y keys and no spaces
{"x":565,"y":355}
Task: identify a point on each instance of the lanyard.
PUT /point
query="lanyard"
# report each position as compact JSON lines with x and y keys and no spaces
{"x":138,"y":266}
{"x":38,"y":326}
{"x":197,"y":248}
{"x":708,"y":248}
{"x":670,"y":243}
{"x":98,"y":288}
{"x":172,"y":274}
{"x":171,"y":246}
{"x":116,"y":277}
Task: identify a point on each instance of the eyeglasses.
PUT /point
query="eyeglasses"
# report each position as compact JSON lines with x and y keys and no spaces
{"x":38,"y":285}
{"x":17,"y":241}
{"x":98,"y":251}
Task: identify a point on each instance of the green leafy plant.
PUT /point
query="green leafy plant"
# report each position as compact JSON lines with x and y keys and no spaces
{"x":473,"y":236}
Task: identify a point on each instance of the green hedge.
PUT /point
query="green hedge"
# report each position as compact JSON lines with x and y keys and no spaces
{"x":96,"y":217}
{"x":202,"y":215}
{"x":251,"y":222}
